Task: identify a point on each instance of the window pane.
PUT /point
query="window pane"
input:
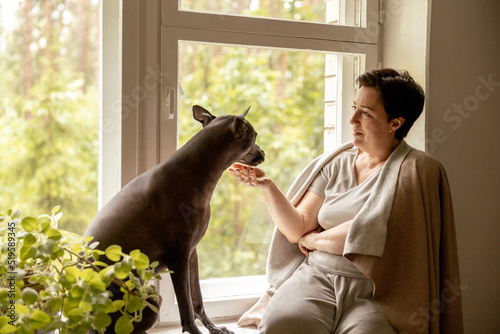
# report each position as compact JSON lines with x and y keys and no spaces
{"x":48,"y":108}
{"x":286,"y":92}
{"x":341,"y":12}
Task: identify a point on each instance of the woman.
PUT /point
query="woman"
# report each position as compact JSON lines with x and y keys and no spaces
{"x":340,"y":212}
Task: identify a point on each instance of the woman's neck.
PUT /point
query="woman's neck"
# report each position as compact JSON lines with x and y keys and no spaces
{"x":375,"y":158}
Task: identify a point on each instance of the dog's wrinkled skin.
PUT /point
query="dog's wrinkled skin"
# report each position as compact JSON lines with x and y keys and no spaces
{"x":165,"y":211}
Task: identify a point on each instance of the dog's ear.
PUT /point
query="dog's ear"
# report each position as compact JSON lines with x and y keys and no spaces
{"x":240,"y":127}
{"x":242,"y":116}
{"x":202,"y":115}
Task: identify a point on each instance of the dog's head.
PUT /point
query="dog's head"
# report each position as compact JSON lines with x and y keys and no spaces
{"x":243,"y":133}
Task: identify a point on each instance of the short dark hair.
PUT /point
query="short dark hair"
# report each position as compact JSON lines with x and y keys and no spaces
{"x":401,"y":95}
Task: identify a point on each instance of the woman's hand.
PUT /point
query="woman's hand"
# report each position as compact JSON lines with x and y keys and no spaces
{"x":250,"y":176}
{"x":307,"y":242}
{"x":292,"y":221}
{"x":329,"y":241}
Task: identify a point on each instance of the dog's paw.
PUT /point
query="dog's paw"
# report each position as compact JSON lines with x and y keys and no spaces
{"x":220,"y":330}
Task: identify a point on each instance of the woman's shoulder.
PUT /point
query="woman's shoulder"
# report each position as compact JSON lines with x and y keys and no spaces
{"x":422,"y":161}
{"x":341,"y":159}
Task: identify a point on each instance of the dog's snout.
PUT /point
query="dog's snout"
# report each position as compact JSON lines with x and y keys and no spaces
{"x":259,"y":157}
{"x":253,"y":157}
{"x":263,"y":155}
{"x":258,"y":161}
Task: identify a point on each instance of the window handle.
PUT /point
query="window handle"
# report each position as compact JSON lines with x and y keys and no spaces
{"x":169,"y":101}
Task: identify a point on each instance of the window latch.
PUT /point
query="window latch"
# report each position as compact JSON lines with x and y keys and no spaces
{"x":169,"y":101}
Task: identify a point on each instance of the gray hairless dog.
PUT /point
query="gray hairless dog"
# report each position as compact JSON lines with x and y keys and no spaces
{"x":165,"y":211}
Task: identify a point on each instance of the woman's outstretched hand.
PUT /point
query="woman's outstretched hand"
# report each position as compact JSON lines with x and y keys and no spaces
{"x":250,"y":176}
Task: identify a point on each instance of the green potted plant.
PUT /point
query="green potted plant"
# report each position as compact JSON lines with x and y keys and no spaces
{"x":52,"y":281}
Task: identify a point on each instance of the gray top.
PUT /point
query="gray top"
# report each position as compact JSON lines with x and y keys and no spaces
{"x":367,"y":234}
{"x":337,"y":183}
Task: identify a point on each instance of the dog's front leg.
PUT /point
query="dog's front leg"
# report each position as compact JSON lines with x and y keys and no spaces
{"x":197,"y":298}
{"x":180,"y":280}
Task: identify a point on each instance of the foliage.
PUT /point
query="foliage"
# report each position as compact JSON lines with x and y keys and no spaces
{"x":50,"y":144}
{"x":305,"y":10}
{"x":285,"y":92}
{"x":50,"y":280}
{"x":49,"y":141}
{"x":48,"y":110}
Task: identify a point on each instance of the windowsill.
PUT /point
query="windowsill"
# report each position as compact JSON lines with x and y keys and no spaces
{"x":224,"y":299}
{"x":230,"y":324}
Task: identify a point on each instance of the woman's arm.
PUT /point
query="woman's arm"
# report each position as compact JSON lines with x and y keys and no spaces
{"x":292,"y":221}
{"x":329,"y":241}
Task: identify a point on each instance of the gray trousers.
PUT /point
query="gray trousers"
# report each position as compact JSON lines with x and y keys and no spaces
{"x":327,"y":294}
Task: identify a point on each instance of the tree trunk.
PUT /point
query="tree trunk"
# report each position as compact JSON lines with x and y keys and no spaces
{"x":48,"y":33}
{"x":27,"y":51}
{"x":83,"y":11}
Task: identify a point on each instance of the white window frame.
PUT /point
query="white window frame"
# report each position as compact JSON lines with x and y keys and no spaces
{"x":139,"y":51}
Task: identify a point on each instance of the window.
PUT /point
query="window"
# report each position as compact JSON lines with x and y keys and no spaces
{"x":290,"y":93}
{"x":49,"y":108}
{"x":294,"y":73}
{"x":345,"y":12}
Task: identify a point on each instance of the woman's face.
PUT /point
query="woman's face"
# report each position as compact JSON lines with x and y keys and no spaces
{"x":371,"y":130}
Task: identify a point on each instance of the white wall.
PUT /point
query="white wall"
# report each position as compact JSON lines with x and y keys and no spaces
{"x":403,"y":46}
{"x":452,"y":51}
{"x":464,"y":50}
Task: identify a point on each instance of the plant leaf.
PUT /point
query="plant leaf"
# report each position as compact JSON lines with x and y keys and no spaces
{"x":4,"y":292}
{"x":87,"y":239}
{"x":97,"y":283}
{"x":40,"y":319}
{"x":29,"y":239}
{"x":72,"y":274}
{"x":27,"y":251}
{"x":45,"y":226}
{"x":76,"y":292}
{"x":30,"y":224}
{"x":101,"y":264}
{"x":114,"y":253}
{"x":58,"y":216}
{"x":55,"y":209}
{"x":102,"y":320}
{"x":74,"y":312}
{"x":94,"y":245}
{"x":5,"y":327}
{"x":48,"y":247}
{"x":118,"y":304}
{"x":16,"y":214}
{"x":133,"y":304}
{"x":55,"y":305}
{"x":77,"y":248}
{"x":22,"y":309}
{"x":122,"y":269}
{"x":85,"y":307}
{"x":124,"y":325}
{"x":87,"y":274}
{"x":55,"y":324}
{"x":141,"y":260}
{"x":54,"y":234}
{"x":30,"y":296}
{"x":153,"y":307}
